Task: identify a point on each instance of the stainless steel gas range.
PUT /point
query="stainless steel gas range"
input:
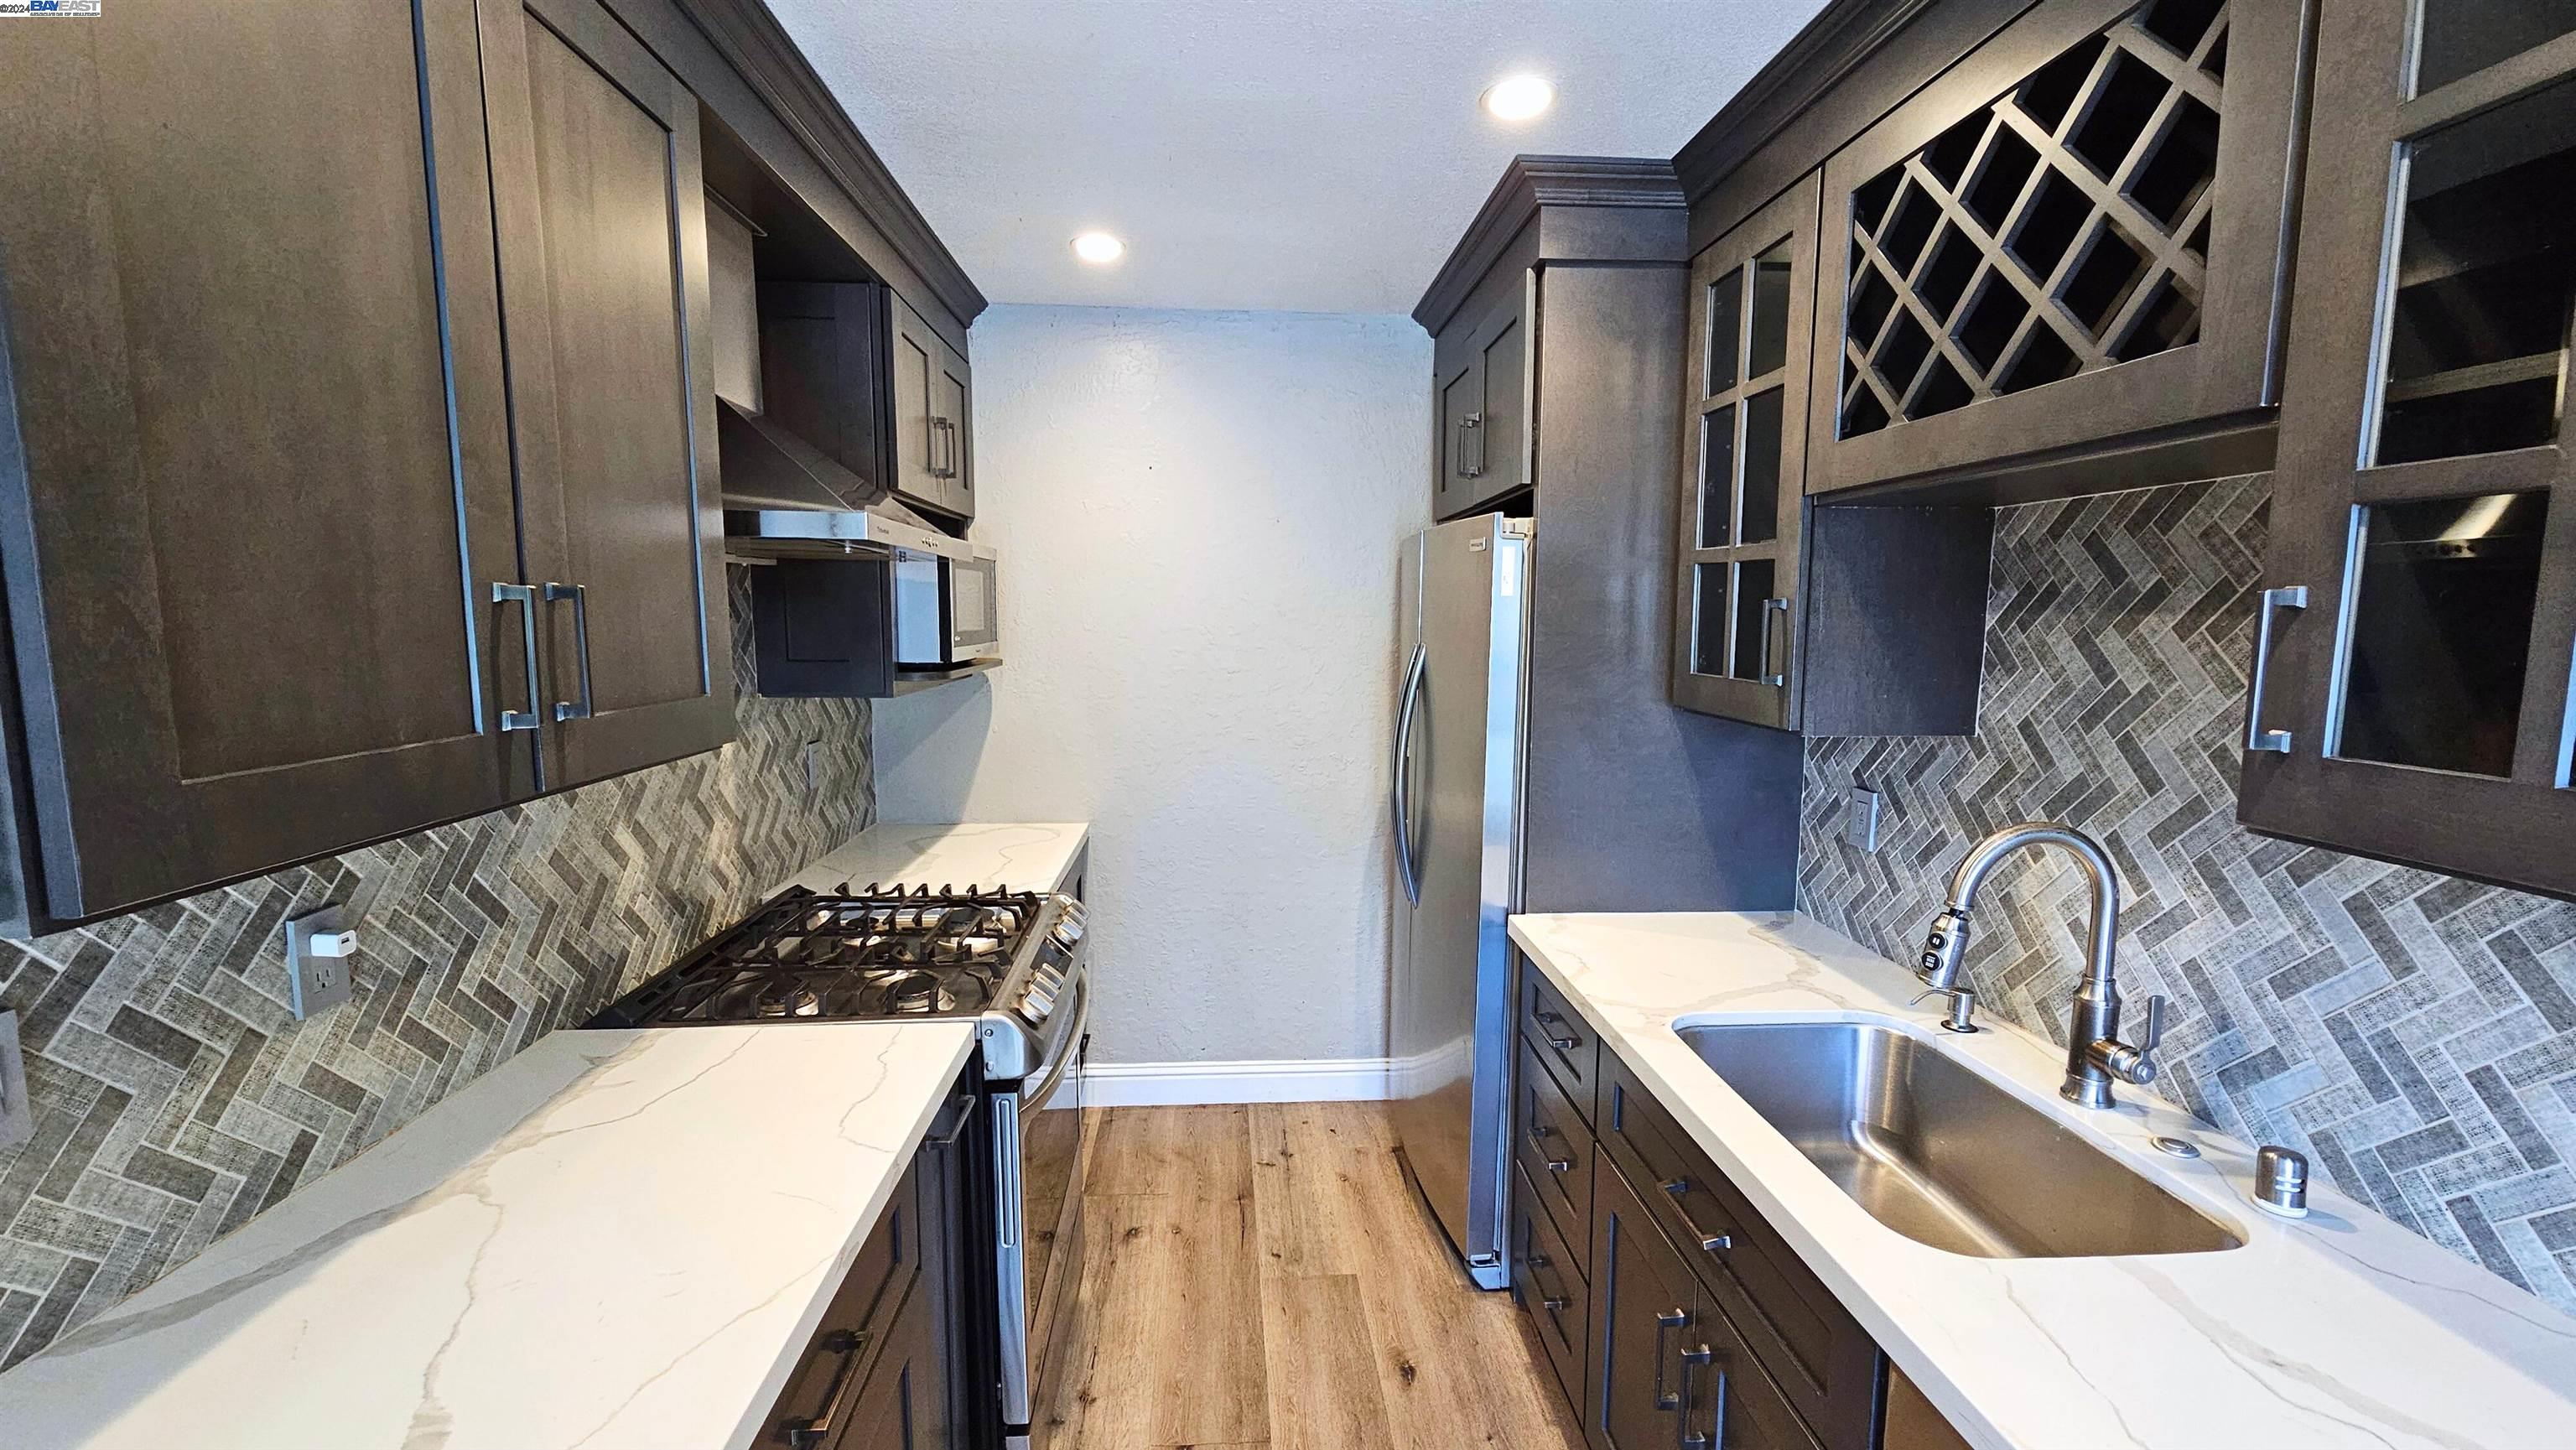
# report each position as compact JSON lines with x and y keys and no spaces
{"x":1014,"y":961}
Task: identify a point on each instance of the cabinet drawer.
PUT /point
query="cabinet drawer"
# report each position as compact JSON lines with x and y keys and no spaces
{"x":857,"y":1326}
{"x":898,"y":1406}
{"x":1548,"y":1283}
{"x":1552,"y":1146}
{"x":1561,"y":1036}
{"x":1824,"y":1362}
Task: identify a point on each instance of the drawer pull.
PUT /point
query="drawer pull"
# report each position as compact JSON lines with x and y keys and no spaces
{"x":1568,"y":1042}
{"x":1556,"y":1306}
{"x":1675,"y":1186}
{"x":1538,"y":1135}
{"x":1665,"y":1323}
{"x":1718,"y":1243}
{"x":1713,"y":1243}
{"x":1683,"y":1437}
{"x":808,"y":1434}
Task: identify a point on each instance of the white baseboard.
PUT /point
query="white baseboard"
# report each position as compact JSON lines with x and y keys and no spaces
{"x":1178,"y":1084}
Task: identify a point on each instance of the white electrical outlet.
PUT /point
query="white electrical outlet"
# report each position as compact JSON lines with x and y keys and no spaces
{"x":321,"y":945}
{"x":17,"y":1118}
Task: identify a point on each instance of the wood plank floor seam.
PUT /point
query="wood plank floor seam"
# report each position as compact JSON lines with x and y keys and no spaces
{"x":1264,"y":1277}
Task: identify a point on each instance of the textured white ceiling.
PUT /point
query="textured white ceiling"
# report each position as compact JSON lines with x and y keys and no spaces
{"x":1288,"y":155}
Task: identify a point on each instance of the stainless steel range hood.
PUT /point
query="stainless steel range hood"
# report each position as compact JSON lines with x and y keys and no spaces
{"x":786,"y":499}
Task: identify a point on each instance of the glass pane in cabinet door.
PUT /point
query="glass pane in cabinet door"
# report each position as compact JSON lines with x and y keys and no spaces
{"x":2463,"y":37}
{"x":1717,"y":478}
{"x":1725,"y":330}
{"x":1767,"y":348}
{"x":1708,"y":618}
{"x":1752,"y":619}
{"x":1761,"y":492}
{"x":2477,"y":328}
{"x":2441,"y":630}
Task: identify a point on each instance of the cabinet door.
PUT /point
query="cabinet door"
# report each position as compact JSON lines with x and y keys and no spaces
{"x":254,"y":459}
{"x":1743,"y":514}
{"x":901,"y":1406}
{"x":951,"y":418}
{"x":603,"y":261}
{"x":2073,"y":236}
{"x":1484,"y":415}
{"x":930,"y":398}
{"x":2417,"y":707}
{"x":1646,"y":1308}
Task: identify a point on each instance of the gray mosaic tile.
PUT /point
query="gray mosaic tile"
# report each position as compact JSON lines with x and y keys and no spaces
{"x":175,"y":1097}
{"x":2416,"y":1034}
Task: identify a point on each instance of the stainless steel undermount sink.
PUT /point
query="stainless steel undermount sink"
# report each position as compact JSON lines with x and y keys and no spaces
{"x":1936,"y":1152}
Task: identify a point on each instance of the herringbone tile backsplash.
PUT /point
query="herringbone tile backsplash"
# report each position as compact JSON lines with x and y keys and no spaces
{"x":2414,"y":1034}
{"x":175,"y":1097}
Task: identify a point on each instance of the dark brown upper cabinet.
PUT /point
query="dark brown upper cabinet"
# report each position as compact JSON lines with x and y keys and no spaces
{"x":933,"y":399}
{"x":2059,"y":267}
{"x":601,"y":212}
{"x":2412,"y":660}
{"x":255,"y":472}
{"x":279,"y":511}
{"x":1483,"y":382}
{"x":1844,"y":621}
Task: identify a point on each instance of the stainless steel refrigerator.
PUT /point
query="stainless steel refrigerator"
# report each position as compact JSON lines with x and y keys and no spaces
{"x":1455,"y":804}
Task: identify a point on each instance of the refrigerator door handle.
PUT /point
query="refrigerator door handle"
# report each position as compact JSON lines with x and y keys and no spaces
{"x":1400,"y":799}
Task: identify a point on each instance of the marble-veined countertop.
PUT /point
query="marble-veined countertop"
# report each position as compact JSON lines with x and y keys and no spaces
{"x":619,"y":1240}
{"x":2341,"y":1329}
{"x":1016,"y":856}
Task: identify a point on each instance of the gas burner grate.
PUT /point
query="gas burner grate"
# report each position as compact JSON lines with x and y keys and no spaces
{"x":856,"y":953}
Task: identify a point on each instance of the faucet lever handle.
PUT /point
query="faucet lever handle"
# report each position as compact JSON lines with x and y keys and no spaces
{"x":2155,"y":1025}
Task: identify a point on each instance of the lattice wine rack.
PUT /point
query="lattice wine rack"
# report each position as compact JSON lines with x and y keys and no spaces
{"x":2063,"y":227}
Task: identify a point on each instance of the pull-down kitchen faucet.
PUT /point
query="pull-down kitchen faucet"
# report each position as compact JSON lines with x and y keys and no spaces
{"x":2094,"y":1052}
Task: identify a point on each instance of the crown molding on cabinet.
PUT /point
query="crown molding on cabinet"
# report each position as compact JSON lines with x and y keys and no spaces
{"x":753,"y":41}
{"x":1640,"y":185}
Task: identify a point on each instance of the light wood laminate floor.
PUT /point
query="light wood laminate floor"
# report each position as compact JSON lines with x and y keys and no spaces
{"x":1262,"y":1276}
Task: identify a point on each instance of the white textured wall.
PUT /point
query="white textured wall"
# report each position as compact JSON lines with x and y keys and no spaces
{"x":1198,"y":515}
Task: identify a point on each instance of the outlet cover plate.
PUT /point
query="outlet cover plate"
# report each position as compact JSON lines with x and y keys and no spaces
{"x":1860,"y":819}
{"x":17,"y":1118}
{"x":315,"y":985}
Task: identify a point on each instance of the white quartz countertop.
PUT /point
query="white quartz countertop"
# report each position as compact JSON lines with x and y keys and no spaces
{"x":2341,"y":1329}
{"x":615,"y":1239}
{"x":1017,"y":856}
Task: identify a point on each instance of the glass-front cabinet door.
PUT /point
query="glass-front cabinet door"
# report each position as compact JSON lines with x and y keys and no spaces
{"x":2413,"y":651}
{"x":1743,"y":450}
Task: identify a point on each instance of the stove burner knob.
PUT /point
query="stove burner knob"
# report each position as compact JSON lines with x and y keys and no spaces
{"x":1037,"y":1004}
{"x":1067,"y":932}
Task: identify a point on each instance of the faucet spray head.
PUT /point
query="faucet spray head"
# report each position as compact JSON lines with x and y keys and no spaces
{"x":1945,"y":951}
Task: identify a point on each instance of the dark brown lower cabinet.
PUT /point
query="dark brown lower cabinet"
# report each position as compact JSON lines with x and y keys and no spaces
{"x":1669,"y":1368}
{"x":1548,"y":1283}
{"x":886,"y":1366}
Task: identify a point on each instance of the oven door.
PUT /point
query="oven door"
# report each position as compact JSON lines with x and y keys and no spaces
{"x":974,"y":607}
{"x":1039,"y":1135}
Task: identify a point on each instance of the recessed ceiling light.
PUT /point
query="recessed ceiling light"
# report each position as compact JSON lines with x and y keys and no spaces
{"x":1517,"y":98}
{"x":1098,"y":248}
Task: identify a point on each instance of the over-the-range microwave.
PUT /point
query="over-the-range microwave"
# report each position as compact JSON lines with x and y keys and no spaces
{"x":946,"y":606}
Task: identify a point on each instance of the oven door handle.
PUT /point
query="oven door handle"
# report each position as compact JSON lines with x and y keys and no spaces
{"x":1034,"y":1098}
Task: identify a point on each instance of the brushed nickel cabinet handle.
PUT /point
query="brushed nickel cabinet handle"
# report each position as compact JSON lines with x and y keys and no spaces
{"x":2258,"y":739}
{"x":526,"y":598}
{"x":579,"y":594}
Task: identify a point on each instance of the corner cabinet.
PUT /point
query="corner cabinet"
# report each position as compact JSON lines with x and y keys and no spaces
{"x":1841,"y":621}
{"x":2074,"y":235}
{"x":2415,"y":645}
{"x":260,"y":511}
